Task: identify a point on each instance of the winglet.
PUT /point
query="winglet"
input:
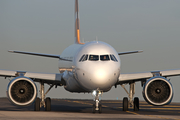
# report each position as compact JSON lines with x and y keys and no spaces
{"x":77,"y":25}
{"x":11,"y":51}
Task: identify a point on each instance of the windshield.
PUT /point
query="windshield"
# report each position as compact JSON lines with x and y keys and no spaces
{"x":94,"y":57}
{"x":104,"y":57}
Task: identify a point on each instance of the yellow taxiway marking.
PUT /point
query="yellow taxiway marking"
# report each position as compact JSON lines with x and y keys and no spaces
{"x":162,"y":106}
{"x":145,"y":105}
{"x":158,"y":108}
{"x":166,"y":106}
{"x":168,"y":111}
{"x":121,"y":101}
{"x":151,"y":115}
{"x":80,"y":102}
{"x":111,"y":102}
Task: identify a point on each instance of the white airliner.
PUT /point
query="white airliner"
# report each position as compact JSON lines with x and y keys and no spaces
{"x":92,"y":67}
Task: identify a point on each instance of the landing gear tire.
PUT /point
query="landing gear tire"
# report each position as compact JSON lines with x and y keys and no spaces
{"x":125,"y":104}
{"x":136,"y":104}
{"x":37,"y":105}
{"x":100,"y":108}
{"x":94,"y":108}
{"x":48,"y":104}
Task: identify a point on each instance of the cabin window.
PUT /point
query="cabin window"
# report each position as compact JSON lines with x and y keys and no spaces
{"x":94,"y":57}
{"x":104,"y":57}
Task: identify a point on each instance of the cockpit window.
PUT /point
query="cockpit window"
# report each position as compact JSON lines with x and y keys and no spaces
{"x":94,"y":57}
{"x":81,"y":58}
{"x":85,"y":58}
{"x":104,"y":57}
{"x":113,"y":58}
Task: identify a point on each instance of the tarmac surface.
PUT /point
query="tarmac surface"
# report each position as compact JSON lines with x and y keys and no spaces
{"x":70,"y":109}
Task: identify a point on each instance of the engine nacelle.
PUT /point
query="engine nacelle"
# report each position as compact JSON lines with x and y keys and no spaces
{"x":158,"y":91}
{"x":22,"y":91}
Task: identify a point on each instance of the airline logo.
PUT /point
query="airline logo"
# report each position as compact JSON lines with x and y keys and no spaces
{"x":77,"y":26}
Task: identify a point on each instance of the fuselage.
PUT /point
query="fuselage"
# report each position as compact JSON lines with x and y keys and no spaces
{"x":94,"y":65}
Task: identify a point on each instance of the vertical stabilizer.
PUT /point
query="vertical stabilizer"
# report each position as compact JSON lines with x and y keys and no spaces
{"x":77,"y":26}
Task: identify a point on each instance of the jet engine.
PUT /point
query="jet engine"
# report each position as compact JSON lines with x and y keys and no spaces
{"x":22,"y":91}
{"x":158,"y":91}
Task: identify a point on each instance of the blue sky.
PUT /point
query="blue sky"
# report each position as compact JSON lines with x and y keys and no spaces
{"x":48,"y":27}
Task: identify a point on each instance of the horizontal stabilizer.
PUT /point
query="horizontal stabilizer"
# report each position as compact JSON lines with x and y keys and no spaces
{"x":130,"y":52}
{"x":40,"y":54}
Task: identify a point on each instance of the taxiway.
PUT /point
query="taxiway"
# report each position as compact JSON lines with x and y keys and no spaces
{"x":68,"y":109}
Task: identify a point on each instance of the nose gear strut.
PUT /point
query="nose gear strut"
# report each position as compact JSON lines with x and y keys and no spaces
{"x":97,"y":105}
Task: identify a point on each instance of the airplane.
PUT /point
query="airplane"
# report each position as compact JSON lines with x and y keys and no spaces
{"x":91,"y":67}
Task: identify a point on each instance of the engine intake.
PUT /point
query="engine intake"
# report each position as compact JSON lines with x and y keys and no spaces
{"x":158,"y":91}
{"x":22,"y":91}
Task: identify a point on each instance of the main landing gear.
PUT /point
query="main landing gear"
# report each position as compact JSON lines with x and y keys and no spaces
{"x":97,"y":107}
{"x":130,"y":103}
{"x":43,"y":102}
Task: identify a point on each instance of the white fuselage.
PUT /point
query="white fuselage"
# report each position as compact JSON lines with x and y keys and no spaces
{"x":93,"y":67}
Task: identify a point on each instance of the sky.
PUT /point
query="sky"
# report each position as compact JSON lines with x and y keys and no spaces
{"x":47,"y":26}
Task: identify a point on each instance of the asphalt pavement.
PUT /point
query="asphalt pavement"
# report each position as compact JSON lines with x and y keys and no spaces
{"x":70,"y":109}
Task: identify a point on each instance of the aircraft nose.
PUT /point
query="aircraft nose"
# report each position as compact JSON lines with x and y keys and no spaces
{"x":103,"y":75}
{"x":100,"y":76}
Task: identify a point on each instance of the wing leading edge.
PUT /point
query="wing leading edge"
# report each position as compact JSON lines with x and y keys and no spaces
{"x":49,"y":78}
{"x":40,"y":54}
{"x":126,"y":78}
{"x":130,"y":52}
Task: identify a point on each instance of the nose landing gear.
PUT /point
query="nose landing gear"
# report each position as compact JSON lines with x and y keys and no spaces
{"x":97,"y":107}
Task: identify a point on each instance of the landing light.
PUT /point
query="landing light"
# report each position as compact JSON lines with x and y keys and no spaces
{"x":96,"y":92}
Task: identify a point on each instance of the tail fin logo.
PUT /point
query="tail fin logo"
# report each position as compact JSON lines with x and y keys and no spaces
{"x":77,"y":26}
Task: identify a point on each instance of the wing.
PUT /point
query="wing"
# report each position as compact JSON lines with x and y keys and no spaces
{"x":40,"y":54}
{"x":130,"y":52}
{"x":127,"y":78}
{"x":50,"y":78}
